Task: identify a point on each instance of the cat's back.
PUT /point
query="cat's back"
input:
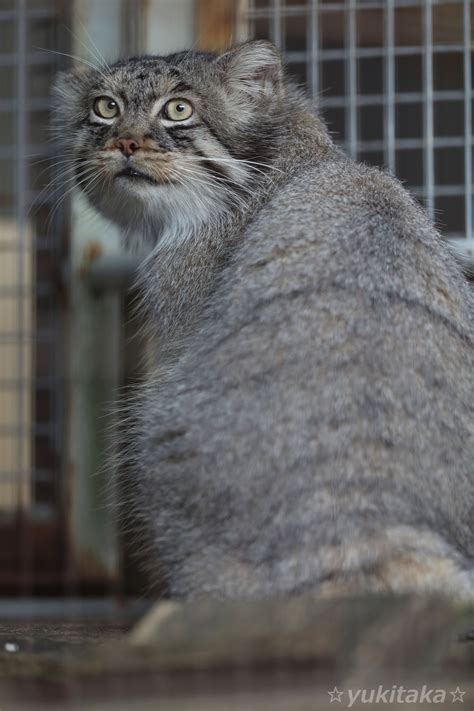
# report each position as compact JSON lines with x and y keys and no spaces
{"x":327,"y":393}
{"x":341,"y":255}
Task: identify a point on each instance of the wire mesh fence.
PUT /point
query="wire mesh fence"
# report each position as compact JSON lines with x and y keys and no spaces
{"x":393,"y":79}
{"x":32,"y":301}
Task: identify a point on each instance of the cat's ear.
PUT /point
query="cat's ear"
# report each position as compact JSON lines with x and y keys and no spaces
{"x":255,"y":68}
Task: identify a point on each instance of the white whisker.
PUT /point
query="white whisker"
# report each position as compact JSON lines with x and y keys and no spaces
{"x":96,"y":52}
{"x":76,"y":58}
{"x":219,"y":159}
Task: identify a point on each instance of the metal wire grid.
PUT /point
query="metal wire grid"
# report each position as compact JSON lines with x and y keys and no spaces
{"x":394,"y":81}
{"x":31,"y":302}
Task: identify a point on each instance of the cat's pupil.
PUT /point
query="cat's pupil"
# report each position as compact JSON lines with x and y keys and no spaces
{"x":111,"y":105}
{"x":180,"y":108}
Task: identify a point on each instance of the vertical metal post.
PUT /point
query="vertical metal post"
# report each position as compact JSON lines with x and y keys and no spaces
{"x":243,"y":25}
{"x":276,"y":29}
{"x":95,"y":336}
{"x":21,"y":197}
{"x":428,"y":107}
{"x":20,"y":191}
{"x":351,"y":79}
{"x":314,"y":49}
{"x":171,"y":25}
{"x":389,"y":116}
{"x":468,"y":119}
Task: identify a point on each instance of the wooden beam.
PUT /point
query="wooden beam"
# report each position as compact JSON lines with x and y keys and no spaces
{"x":215,"y":23}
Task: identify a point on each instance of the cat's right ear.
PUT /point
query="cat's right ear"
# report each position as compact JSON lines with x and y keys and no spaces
{"x":254,"y":68}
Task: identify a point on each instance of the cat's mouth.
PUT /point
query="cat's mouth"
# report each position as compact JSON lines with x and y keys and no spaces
{"x":134,"y":174}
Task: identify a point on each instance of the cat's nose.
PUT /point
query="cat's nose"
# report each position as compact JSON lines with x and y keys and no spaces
{"x":128,"y":146}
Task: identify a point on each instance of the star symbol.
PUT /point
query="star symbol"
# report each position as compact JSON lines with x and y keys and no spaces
{"x":457,"y":695}
{"x":335,"y":695}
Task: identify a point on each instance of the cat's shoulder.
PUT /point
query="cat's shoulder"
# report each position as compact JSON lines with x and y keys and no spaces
{"x":339,"y":194}
{"x":358,"y":222}
{"x":345,"y":184}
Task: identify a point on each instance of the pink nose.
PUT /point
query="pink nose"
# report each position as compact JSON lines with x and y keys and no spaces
{"x":128,"y":146}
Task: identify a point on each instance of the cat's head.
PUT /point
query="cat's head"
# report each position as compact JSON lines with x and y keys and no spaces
{"x":173,"y":138}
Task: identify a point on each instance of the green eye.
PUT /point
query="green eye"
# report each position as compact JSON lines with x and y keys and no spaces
{"x":178,"y":110}
{"x":106,"y":108}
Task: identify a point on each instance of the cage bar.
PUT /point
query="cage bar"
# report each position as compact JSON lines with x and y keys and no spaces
{"x":468,"y":118}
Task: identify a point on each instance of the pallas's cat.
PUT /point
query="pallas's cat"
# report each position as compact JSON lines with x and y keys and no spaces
{"x":309,"y":422}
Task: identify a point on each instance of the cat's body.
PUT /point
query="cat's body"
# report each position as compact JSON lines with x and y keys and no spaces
{"x":310,"y":421}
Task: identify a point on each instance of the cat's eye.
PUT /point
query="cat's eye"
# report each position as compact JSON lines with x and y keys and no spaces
{"x":106,"y":108}
{"x":178,"y":110}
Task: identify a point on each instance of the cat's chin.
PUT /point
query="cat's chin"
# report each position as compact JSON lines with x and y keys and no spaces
{"x":129,"y":201}
{"x":133,"y":177}
{"x":144,"y":205}
{"x":139,"y":185}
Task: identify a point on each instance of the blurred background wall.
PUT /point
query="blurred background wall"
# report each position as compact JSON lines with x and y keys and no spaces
{"x":393,"y":79}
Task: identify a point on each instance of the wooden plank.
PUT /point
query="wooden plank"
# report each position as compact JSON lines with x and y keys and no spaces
{"x":215,"y":23}
{"x":17,"y":278}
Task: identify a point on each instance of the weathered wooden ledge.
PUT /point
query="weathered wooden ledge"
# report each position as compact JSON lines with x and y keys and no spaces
{"x":311,"y":641}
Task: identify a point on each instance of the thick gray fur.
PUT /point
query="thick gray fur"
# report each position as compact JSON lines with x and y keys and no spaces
{"x":309,"y":423}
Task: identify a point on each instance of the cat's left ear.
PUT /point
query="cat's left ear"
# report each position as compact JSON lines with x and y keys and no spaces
{"x":255,"y":68}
